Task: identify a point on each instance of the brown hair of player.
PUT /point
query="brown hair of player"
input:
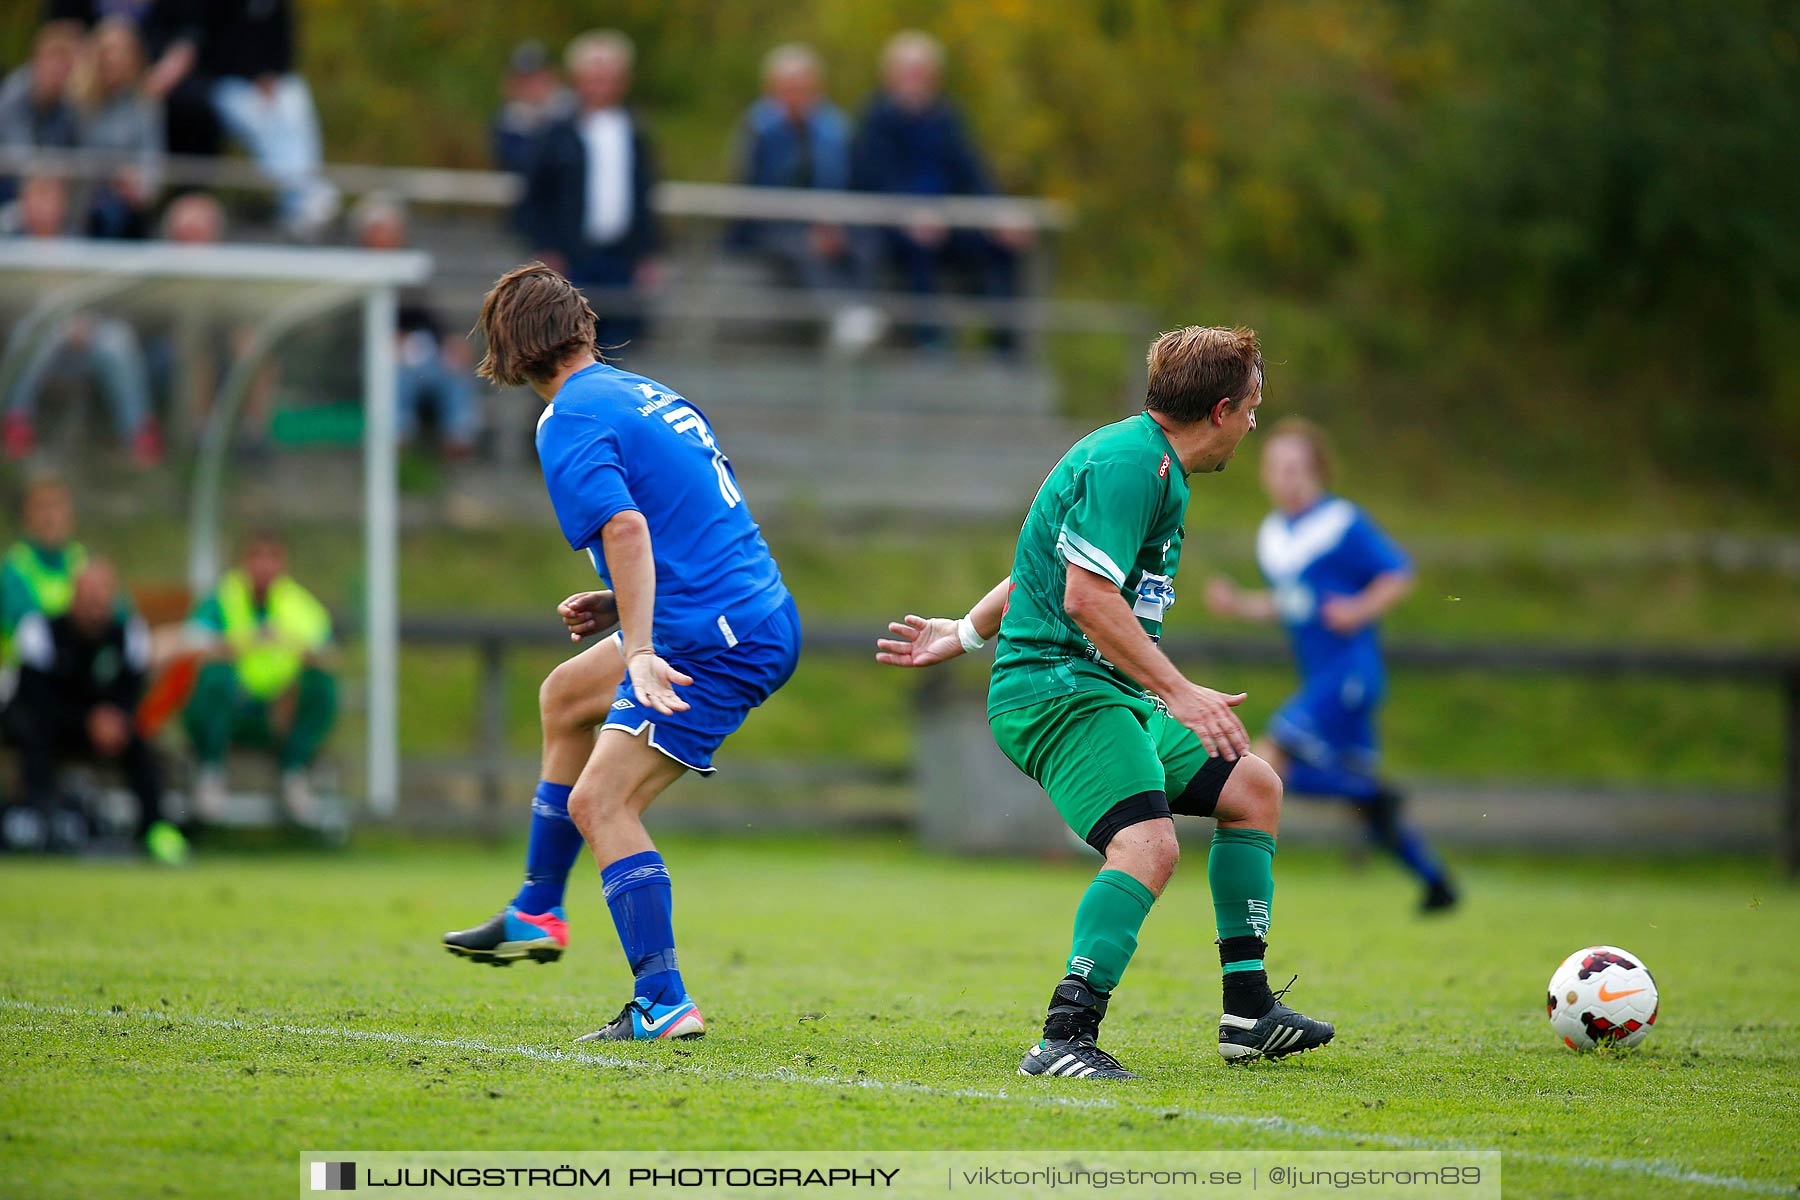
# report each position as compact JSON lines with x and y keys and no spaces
{"x":1193,"y":368}
{"x":533,"y":320}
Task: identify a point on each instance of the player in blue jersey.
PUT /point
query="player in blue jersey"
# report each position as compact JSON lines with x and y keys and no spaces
{"x":707,"y":631}
{"x":1332,"y":574}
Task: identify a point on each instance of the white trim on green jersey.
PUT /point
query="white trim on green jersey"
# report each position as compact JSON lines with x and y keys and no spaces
{"x":1083,"y":553}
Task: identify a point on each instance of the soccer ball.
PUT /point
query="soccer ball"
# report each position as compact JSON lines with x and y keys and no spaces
{"x":1602,"y":995}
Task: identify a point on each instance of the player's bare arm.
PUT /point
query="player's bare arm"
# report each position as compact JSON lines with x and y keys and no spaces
{"x":927,"y":641}
{"x":589,"y":613}
{"x":1347,"y":614}
{"x":1093,"y":602}
{"x":1227,"y":599}
{"x":626,"y":539}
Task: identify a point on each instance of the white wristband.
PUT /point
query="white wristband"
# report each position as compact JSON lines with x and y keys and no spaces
{"x":965,"y":633}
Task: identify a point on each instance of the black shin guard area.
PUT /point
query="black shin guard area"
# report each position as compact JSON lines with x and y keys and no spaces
{"x":1242,"y":949}
{"x":1247,"y":994}
{"x":1076,"y":1011}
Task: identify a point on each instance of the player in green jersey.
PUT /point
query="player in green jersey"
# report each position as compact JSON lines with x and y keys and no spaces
{"x":1084,"y":702}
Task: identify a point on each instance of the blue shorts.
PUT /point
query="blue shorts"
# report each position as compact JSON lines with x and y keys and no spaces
{"x":726,"y":686}
{"x":1330,"y":722}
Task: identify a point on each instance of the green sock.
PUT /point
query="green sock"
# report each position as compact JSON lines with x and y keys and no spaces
{"x":1241,"y":870}
{"x":1106,"y":928}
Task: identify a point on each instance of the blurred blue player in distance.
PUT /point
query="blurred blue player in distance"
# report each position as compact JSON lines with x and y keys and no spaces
{"x":1333,"y":573}
{"x":707,"y":631}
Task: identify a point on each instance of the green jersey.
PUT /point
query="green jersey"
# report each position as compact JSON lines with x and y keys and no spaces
{"x":1114,"y":505}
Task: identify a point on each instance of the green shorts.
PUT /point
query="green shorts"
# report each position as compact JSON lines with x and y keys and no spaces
{"x":1108,"y":760}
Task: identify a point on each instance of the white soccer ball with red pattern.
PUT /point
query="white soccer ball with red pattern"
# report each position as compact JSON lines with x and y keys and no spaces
{"x":1602,"y":996}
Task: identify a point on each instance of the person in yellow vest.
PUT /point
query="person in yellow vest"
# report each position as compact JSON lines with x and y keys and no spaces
{"x":268,"y":686}
{"x":39,"y":571}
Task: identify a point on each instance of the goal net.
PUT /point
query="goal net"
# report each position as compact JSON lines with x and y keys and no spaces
{"x":116,"y":355}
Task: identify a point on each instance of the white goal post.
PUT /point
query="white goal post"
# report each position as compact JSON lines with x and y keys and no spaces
{"x":61,"y":276}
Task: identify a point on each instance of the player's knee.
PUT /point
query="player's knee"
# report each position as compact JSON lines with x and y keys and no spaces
{"x":1267,"y":788}
{"x":556,"y":696}
{"x":1165,"y":848}
{"x":1154,"y":844}
{"x":1148,"y":851}
{"x":1253,"y":795}
{"x":591,"y":805}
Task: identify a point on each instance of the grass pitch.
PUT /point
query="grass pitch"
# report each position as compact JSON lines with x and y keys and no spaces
{"x":177,"y":1033}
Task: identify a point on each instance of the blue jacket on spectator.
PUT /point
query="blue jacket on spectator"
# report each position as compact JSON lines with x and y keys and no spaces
{"x":926,"y":153}
{"x":778,"y":152}
{"x":517,"y":128}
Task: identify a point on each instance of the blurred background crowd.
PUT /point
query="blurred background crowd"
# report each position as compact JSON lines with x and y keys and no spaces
{"x":125,"y":86}
{"x":1534,"y":268}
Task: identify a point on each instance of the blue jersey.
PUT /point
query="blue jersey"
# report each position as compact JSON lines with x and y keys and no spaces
{"x":1332,"y":549}
{"x":612,"y":442}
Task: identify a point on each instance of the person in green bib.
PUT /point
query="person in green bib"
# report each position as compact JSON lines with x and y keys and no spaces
{"x":1082,"y":700}
{"x":268,"y":686}
{"x":39,"y":571}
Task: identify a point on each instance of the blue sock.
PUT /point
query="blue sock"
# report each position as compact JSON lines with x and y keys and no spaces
{"x":1411,"y":848}
{"x":639,"y":895}
{"x":555,"y":845}
{"x":1392,"y":834}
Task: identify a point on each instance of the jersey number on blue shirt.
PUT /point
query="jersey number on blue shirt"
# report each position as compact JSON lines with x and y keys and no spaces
{"x":685,"y":420}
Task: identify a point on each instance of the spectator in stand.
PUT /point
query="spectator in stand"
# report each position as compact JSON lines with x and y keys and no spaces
{"x":912,"y":142}
{"x":267,"y":687}
{"x":434,"y":369}
{"x":247,"y":50}
{"x":80,"y":344}
{"x":170,"y":32}
{"x":194,"y":219}
{"x":534,"y":96}
{"x":586,"y":209}
{"x":118,"y":117}
{"x":35,"y":112}
{"x":534,"y":99}
{"x":793,"y":137}
{"x":81,"y":676}
{"x":42,"y":209}
{"x":39,"y":570}
{"x":37,"y":574}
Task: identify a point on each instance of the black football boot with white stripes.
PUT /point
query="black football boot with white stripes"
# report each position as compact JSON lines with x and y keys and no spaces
{"x":1277,"y":1033}
{"x":1070,"y":1031}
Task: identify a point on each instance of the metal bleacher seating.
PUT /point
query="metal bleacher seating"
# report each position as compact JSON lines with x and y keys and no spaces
{"x":954,"y":431}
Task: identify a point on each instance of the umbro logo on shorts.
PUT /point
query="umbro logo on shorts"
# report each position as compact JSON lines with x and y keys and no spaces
{"x":622,"y":702}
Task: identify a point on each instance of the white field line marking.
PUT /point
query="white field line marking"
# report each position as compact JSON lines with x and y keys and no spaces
{"x":1651,"y":1168}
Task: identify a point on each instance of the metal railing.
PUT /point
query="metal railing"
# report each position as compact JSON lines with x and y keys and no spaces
{"x":493,"y":638}
{"x":501,"y":189}
{"x":691,"y":306}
